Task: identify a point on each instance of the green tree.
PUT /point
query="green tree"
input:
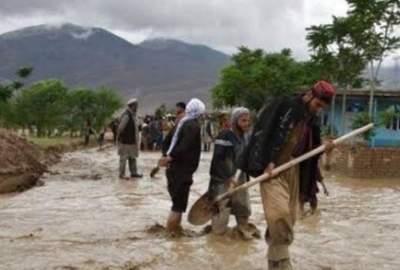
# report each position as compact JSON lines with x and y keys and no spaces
{"x":375,"y":34}
{"x":6,"y":92}
{"x":161,"y":111}
{"x":42,"y":105}
{"x":7,"y":115}
{"x":362,"y":119}
{"x":389,"y":116}
{"x":24,"y":72}
{"x":255,"y":75}
{"x":86,"y":104}
{"x":337,"y":58}
{"x":81,"y":106}
{"x":359,"y":41}
{"x":7,"y":108}
{"x":107,"y":103}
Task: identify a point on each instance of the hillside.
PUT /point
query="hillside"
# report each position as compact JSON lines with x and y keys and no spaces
{"x":158,"y":70}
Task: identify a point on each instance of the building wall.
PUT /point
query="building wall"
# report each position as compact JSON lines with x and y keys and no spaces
{"x":383,"y":137}
{"x":365,"y":162}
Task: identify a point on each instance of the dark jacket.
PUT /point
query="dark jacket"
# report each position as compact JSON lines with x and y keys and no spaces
{"x":167,"y":141}
{"x":227,"y":149}
{"x":186,"y":153}
{"x":128,"y":134}
{"x":275,"y":122}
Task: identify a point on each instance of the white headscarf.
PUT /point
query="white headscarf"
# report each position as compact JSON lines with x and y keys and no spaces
{"x":194,"y":109}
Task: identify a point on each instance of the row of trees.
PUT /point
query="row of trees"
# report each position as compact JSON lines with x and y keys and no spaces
{"x":49,"y":107}
{"x":343,"y":52}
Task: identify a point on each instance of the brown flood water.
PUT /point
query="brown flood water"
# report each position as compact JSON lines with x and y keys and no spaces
{"x":86,"y":218}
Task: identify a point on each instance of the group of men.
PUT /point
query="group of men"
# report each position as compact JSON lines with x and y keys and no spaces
{"x":285,"y":128}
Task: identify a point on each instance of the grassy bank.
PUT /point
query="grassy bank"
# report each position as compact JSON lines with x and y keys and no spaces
{"x":55,"y":142}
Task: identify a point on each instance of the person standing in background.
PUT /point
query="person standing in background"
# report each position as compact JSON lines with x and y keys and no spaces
{"x":128,"y":141}
{"x":180,"y":111}
{"x":207,"y":133}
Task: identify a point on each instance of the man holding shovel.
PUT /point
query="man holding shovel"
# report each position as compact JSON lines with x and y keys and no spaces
{"x":276,"y":140}
{"x":228,"y":148}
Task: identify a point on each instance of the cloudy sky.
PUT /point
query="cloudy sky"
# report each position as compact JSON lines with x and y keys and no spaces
{"x":222,"y":24}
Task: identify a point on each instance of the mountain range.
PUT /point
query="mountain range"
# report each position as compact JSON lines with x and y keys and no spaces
{"x":156,"y":71}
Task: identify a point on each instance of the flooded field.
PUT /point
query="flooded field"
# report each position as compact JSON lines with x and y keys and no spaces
{"x":84,"y":217}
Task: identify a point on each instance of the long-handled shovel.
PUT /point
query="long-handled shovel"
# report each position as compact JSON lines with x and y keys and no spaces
{"x":204,"y":209}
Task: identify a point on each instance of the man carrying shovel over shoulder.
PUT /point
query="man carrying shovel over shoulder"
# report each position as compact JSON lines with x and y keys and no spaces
{"x":276,"y":140}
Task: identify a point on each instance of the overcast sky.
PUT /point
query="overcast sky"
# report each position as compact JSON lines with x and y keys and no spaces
{"x":222,"y":24}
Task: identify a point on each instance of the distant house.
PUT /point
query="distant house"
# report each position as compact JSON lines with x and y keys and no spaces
{"x":357,"y":101}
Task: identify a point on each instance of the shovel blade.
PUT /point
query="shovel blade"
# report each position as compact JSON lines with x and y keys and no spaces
{"x":202,"y":211}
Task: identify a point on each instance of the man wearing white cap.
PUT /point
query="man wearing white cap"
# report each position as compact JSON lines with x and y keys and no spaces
{"x":128,"y":140}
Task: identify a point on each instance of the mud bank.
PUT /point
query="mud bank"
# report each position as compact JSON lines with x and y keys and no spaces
{"x":22,"y":163}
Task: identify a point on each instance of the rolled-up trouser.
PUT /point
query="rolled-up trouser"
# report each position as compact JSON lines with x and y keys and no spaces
{"x":238,"y":205}
{"x":280,"y":198}
{"x":132,"y":165}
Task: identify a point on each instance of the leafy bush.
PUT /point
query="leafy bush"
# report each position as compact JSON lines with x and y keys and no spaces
{"x":363,"y":119}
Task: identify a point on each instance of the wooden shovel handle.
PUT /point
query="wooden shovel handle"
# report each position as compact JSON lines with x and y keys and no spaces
{"x":292,"y":163}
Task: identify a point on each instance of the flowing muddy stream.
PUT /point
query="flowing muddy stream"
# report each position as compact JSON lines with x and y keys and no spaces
{"x":84,"y":217}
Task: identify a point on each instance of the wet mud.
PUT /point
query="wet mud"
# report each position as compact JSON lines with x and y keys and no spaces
{"x":21,"y":163}
{"x":84,"y":217}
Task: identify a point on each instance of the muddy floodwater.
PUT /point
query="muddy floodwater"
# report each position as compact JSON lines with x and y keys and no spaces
{"x":84,"y":217}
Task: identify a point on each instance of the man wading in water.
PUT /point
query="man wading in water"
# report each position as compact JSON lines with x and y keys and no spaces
{"x":128,"y":141}
{"x":182,"y":160}
{"x":277,"y":134}
{"x":229,"y":146}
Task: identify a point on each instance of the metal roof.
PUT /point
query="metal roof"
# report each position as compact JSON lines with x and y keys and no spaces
{"x":366,"y":92}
